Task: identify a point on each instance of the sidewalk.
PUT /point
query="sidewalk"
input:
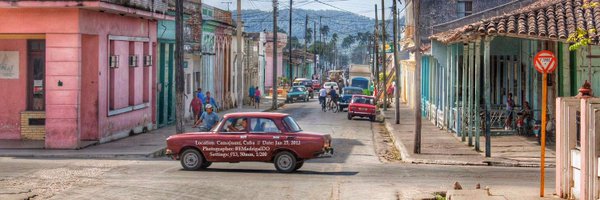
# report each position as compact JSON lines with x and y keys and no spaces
{"x":145,"y":145}
{"x":444,"y":148}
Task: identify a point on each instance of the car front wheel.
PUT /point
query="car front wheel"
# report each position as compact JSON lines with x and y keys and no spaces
{"x":285,"y":162}
{"x":349,"y":116}
{"x":192,"y":159}
{"x":299,"y":165}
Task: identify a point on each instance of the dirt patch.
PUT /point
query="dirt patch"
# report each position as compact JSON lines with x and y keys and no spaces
{"x":384,"y":145}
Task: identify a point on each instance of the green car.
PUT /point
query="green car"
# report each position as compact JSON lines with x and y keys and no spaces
{"x":295,"y":93}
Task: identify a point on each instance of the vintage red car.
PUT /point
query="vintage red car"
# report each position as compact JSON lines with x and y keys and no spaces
{"x":362,"y":106}
{"x":250,"y":136}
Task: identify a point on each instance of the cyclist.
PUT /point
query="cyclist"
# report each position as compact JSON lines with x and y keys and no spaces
{"x":322,"y":96}
{"x":333,"y":95}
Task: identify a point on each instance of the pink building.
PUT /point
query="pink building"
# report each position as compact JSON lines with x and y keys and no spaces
{"x":73,"y":71}
{"x":281,"y":42}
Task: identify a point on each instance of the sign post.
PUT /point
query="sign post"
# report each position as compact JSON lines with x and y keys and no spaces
{"x":544,"y":62}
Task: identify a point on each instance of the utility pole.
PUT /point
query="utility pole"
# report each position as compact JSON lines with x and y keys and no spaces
{"x":179,"y":83}
{"x":274,"y":106}
{"x":239,"y":73}
{"x":314,"y":34}
{"x":376,"y":46}
{"x":305,"y":42}
{"x":290,"y":46}
{"x":383,"y":38}
{"x":416,"y":8}
{"x":321,"y":46}
{"x":397,"y":69}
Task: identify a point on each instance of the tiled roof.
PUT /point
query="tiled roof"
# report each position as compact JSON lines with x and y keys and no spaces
{"x":544,"y":20}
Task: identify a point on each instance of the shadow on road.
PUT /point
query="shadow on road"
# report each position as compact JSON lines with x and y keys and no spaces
{"x":342,"y":149}
{"x":262,"y":171}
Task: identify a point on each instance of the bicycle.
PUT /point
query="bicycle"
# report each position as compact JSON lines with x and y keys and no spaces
{"x":332,"y":105}
{"x":322,"y":101}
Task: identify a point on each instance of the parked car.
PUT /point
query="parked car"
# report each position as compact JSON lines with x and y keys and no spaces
{"x":328,"y":85}
{"x":299,"y":93}
{"x":346,"y":96}
{"x":306,"y":83}
{"x":362,"y":106}
{"x":250,"y":136}
{"x":316,"y":85}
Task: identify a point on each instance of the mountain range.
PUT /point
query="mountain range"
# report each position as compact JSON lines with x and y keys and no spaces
{"x":342,"y":23}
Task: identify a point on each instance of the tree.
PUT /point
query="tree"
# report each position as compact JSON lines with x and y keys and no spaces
{"x":334,"y":38}
{"x":348,"y":41}
{"x":325,"y":31}
{"x":308,"y":35}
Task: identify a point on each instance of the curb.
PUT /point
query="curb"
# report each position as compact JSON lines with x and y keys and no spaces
{"x":406,"y":156}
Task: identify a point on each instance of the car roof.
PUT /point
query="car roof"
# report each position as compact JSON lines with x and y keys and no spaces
{"x":299,"y":86}
{"x":331,"y":82}
{"x":256,"y":114}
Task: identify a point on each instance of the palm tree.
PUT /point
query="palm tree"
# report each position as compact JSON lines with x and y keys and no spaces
{"x":348,"y":41}
{"x":308,"y":35}
{"x":325,"y":31}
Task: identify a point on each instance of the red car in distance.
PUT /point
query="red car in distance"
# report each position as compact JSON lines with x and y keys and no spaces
{"x":250,"y":136}
{"x":316,"y":85}
{"x":362,"y":106}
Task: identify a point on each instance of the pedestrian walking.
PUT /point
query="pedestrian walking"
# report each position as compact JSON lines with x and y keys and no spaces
{"x":196,"y":107}
{"x":200,"y":95}
{"x":209,"y":100}
{"x":251,"y":95}
{"x":257,"y":98}
{"x":510,"y":104}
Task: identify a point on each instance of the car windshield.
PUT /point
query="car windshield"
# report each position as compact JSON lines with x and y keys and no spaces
{"x":214,"y":129}
{"x":297,"y":89}
{"x":363,"y":100}
{"x":291,"y":124}
{"x":352,"y":91}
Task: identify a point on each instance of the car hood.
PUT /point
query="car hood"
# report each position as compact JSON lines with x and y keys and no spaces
{"x":190,"y":134}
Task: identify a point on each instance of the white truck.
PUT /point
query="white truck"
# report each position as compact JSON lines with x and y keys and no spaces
{"x":360,"y":76}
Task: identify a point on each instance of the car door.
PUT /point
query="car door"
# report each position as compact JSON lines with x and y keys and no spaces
{"x":228,"y":143}
{"x":266,"y":136}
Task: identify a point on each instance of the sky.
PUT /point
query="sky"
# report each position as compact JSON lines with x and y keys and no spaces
{"x":362,"y":7}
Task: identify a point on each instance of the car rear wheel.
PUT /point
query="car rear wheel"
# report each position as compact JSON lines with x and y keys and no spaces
{"x":285,"y":162}
{"x":205,"y":165}
{"x":192,"y":159}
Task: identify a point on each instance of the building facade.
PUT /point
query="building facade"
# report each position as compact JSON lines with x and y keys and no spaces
{"x":471,"y":66}
{"x":82,"y":72}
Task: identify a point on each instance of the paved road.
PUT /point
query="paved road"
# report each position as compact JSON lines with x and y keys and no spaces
{"x":355,"y":172}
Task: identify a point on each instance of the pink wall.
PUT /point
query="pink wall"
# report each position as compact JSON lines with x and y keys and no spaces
{"x":13,"y":92}
{"x":89,"y":85}
{"x":104,"y":24}
{"x":269,"y":62}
